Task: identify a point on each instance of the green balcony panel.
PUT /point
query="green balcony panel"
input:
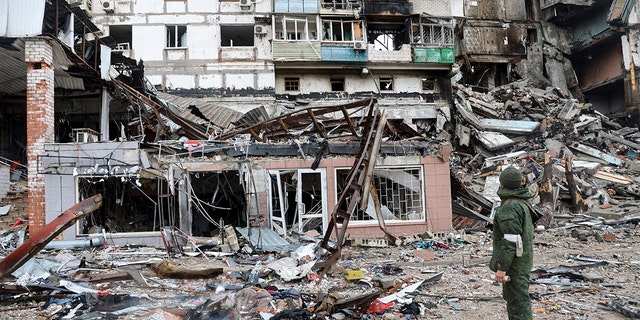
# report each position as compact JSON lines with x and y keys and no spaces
{"x":434,"y":55}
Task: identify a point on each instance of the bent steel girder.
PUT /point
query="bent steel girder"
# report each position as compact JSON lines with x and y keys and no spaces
{"x":39,"y":240}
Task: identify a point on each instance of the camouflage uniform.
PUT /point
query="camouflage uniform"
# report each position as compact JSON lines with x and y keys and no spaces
{"x":513,"y":219}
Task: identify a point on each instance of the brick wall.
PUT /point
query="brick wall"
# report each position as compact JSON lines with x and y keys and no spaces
{"x":5,"y":181}
{"x":436,"y":184}
{"x":40,"y":122}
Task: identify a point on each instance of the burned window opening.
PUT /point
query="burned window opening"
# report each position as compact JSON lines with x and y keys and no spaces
{"x":337,"y":84}
{"x":387,"y":42}
{"x":388,"y":35}
{"x":129,"y":205}
{"x":342,"y":30}
{"x":217,"y":199}
{"x":236,"y":36}
{"x":123,"y":36}
{"x":400,"y":191}
{"x":386,"y":83}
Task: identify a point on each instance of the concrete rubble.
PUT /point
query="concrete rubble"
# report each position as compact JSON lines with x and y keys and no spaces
{"x":573,"y":278}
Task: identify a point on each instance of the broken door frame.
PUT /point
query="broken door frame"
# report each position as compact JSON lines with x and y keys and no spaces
{"x":300,"y":208}
{"x":302,"y":215}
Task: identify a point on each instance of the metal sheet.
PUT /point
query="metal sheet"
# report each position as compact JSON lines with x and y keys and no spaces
{"x":510,"y":126}
{"x":267,"y":240}
{"x":596,"y":153}
{"x":219,"y":115}
{"x":494,"y":140}
{"x":14,"y":20}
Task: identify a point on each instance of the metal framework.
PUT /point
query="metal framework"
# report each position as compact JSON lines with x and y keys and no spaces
{"x":357,"y":188}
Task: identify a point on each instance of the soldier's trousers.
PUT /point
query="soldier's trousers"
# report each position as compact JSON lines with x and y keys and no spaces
{"x":516,"y":293}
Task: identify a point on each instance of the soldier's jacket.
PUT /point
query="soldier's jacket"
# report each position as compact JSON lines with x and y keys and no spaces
{"x":512,"y":218}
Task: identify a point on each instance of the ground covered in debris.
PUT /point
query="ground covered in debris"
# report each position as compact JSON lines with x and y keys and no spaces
{"x":583,"y":269}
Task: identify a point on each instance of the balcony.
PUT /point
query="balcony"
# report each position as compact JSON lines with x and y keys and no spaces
{"x":296,"y":6}
{"x":387,"y":7}
{"x":340,"y":7}
{"x":357,"y":52}
{"x":434,"y":55}
{"x":296,"y":51}
{"x":402,"y":55}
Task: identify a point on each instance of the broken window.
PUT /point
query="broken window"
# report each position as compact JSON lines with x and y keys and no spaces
{"x":129,"y":204}
{"x":123,"y":37}
{"x":216,"y":199}
{"x":432,"y":34}
{"x":176,"y":36}
{"x":428,"y":84}
{"x":339,"y":4}
{"x":385,"y":42}
{"x":291,"y":84}
{"x":386,"y":83}
{"x":337,"y":84}
{"x":400,"y":191}
{"x":236,"y":36}
{"x":298,"y":200}
{"x":295,"y":28}
{"x":342,"y":30}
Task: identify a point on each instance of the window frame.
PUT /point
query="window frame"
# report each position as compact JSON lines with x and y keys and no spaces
{"x":177,"y":36}
{"x":388,"y":79}
{"x":424,"y":81}
{"x":289,"y":84}
{"x":347,"y":27}
{"x":421,"y":194}
{"x":303,"y":29}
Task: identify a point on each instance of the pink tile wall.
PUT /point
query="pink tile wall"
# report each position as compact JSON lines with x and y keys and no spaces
{"x":437,"y":194}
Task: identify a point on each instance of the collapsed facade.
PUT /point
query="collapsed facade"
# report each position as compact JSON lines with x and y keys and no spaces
{"x":251,"y":119}
{"x":197,"y":114}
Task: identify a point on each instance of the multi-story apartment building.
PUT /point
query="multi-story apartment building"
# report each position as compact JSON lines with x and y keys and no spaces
{"x":206,"y":67}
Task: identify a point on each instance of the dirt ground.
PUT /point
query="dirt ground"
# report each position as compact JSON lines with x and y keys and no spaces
{"x":464,"y":291}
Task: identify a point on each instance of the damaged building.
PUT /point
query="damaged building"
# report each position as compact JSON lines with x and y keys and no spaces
{"x":198,"y":115}
{"x":551,"y":44}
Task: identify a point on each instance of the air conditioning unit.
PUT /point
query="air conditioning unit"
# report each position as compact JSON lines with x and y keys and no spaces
{"x":360,"y":45}
{"x":260,"y":29}
{"x":245,"y":3}
{"x":108,"y":6}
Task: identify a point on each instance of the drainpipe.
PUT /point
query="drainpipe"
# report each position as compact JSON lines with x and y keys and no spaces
{"x":75,"y":244}
{"x":632,"y":71}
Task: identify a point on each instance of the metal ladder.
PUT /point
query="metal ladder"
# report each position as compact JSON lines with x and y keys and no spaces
{"x":356,"y":189}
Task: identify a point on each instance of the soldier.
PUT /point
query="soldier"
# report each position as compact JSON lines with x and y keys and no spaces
{"x":512,"y":257}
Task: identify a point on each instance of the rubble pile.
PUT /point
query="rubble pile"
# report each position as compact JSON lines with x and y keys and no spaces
{"x":428,"y":276}
{"x":576,"y":159}
{"x":580,"y":164}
